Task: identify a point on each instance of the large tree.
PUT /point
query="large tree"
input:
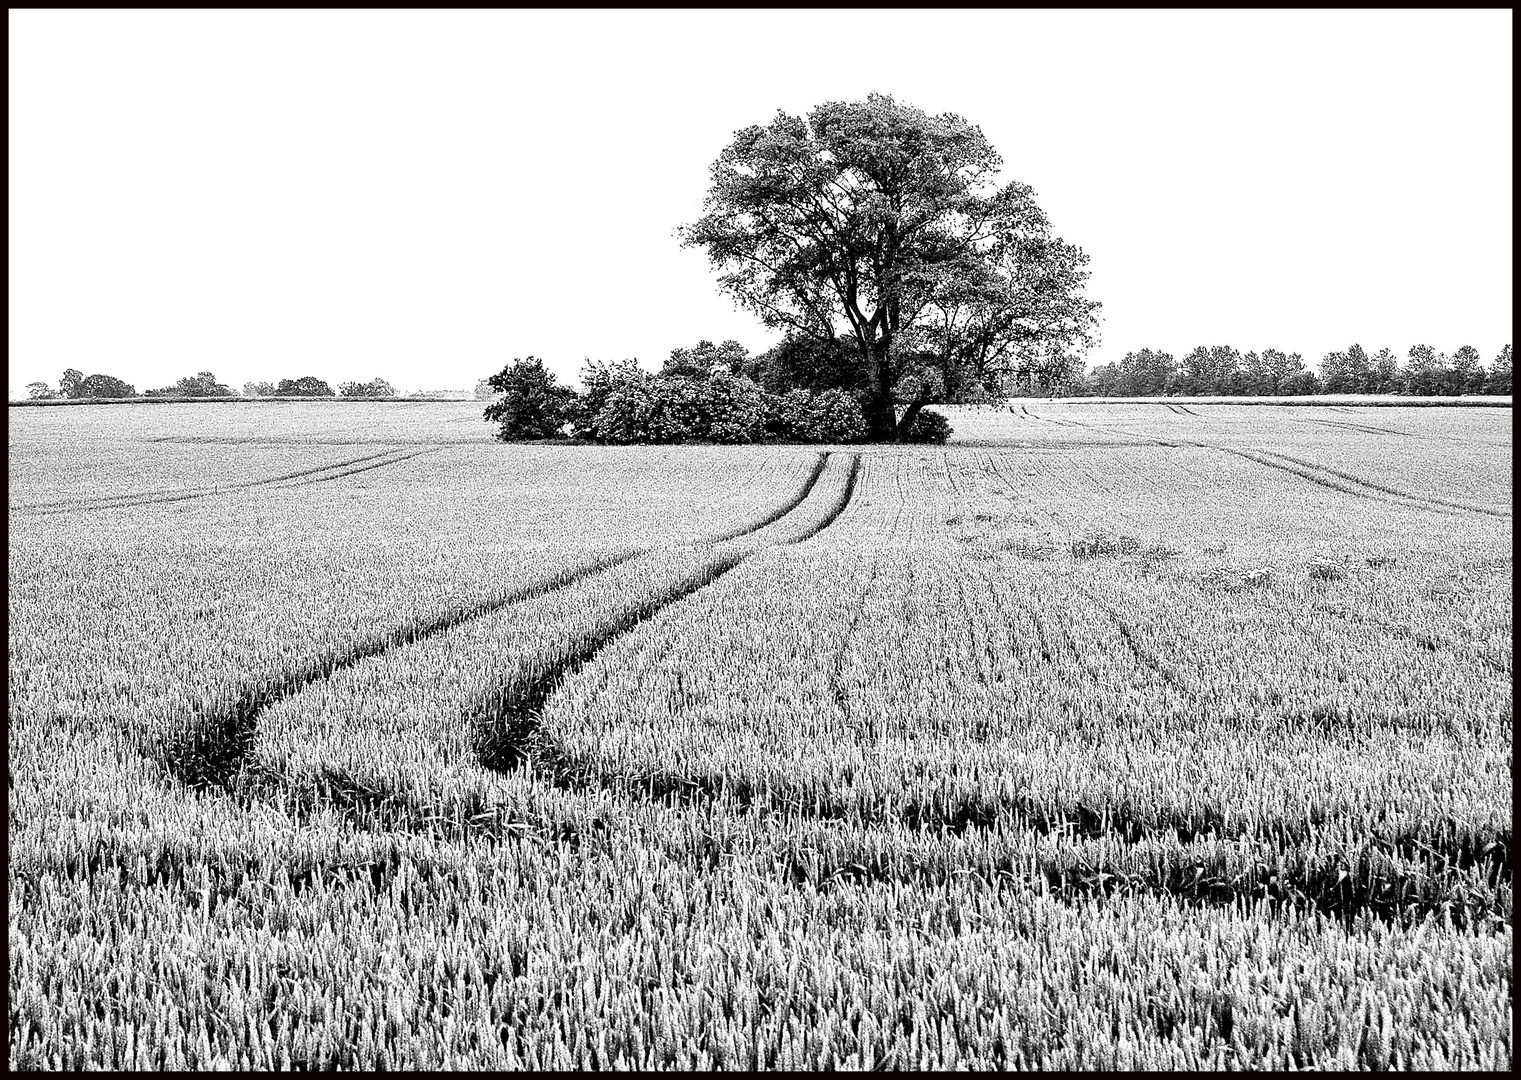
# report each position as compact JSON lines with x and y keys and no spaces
{"x":876,"y":222}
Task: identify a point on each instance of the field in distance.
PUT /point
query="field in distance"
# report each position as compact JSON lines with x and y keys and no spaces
{"x":1109,"y":735}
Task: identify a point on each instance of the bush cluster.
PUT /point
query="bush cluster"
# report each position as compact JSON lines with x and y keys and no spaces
{"x":702,"y":395}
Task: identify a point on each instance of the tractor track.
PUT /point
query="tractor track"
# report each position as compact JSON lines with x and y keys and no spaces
{"x":276,"y":482}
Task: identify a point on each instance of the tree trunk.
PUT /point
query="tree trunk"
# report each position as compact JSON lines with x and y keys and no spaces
{"x":881,"y":419}
{"x":909,"y":416}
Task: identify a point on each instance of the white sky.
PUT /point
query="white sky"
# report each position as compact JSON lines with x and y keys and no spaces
{"x":424,"y":196}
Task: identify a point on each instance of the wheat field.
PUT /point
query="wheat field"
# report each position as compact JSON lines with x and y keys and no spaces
{"x":1105,"y":736}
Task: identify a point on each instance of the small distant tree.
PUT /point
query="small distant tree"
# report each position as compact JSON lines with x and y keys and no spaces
{"x":1279,"y":367}
{"x":1145,"y":373}
{"x":1209,"y":370}
{"x":1302,"y":382}
{"x":1426,"y":371}
{"x":1037,"y":373}
{"x":1497,"y":381}
{"x":375,"y":388}
{"x":103,"y":386}
{"x":1102,"y":381}
{"x":483,"y":391}
{"x":202,"y":384}
{"x":258,"y":389}
{"x":533,"y":404}
{"x":68,"y":385}
{"x":1347,"y":372}
{"x":1467,"y":372}
{"x":1385,"y":373}
{"x":39,"y":391}
{"x":306,"y":386}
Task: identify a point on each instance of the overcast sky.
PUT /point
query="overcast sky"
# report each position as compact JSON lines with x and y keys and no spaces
{"x":424,"y":196}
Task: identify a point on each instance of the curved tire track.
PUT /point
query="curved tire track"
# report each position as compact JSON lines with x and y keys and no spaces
{"x":213,"y":752}
{"x":119,"y":502}
{"x":507,"y":723}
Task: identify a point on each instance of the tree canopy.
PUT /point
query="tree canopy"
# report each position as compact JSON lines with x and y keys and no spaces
{"x":202,"y":384}
{"x":877,"y":223}
{"x":529,"y":402}
{"x":103,"y":386}
{"x":306,"y":386}
{"x":375,"y":388}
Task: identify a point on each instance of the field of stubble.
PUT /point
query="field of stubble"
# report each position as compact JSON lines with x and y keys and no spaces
{"x":1105,"y":736}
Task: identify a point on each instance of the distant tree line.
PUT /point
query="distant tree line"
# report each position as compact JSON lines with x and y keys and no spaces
{"x":75,"y":384}
{"x":1220,"y":369}
{"x":795,"y":392}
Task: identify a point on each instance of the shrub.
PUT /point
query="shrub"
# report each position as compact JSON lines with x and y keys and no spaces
{"x":928,"y":427}
{"x":830,"y":416}
{"x":733,"y":409}
{"x":532,"y":404}
{"x":599,"y":378}
{"x":640,"y":408}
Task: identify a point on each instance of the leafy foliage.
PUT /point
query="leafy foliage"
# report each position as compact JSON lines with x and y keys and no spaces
{"x":707,"y":359}
{"x":801,"y":362}
{"x":306,"y":386}
{"x":40,"y":391}
{"x":879,"y":223}
{"x":258,"y":389}
{"x":103,"y":386}
{"x":827,"y":416}
{"x":375,"y":388}
{"x":532,"y":405}
{"x":202,"y":384}
{"x":928,"y":427}
{"x":1498,"y":379}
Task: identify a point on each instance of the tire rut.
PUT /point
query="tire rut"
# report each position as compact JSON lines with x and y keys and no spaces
{"x":144,"y":498}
